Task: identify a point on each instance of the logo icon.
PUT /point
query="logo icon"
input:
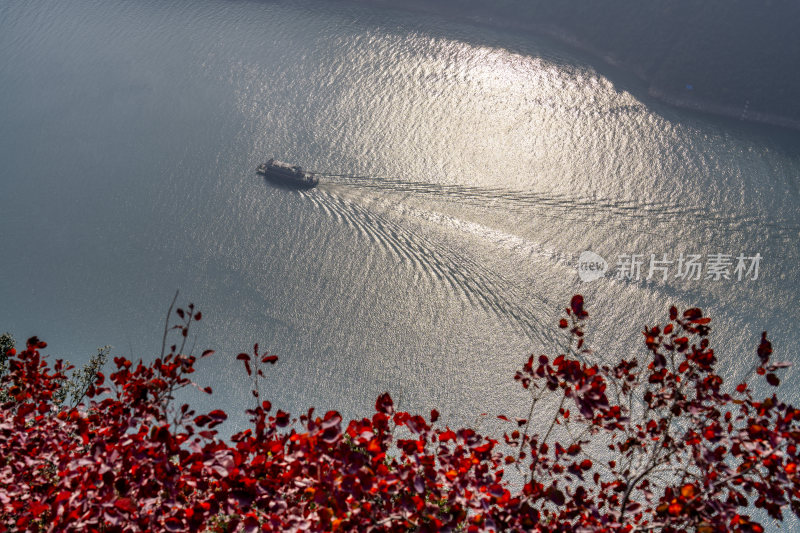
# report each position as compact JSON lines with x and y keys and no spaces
{"x":591,"y":266}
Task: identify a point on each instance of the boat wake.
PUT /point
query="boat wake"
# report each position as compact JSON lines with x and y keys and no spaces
{"x":569,"y":208}
{"x":440,"y":264}
{"x":475,"y":282}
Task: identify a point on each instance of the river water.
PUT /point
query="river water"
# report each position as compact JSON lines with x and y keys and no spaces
{"x":475,"y":166}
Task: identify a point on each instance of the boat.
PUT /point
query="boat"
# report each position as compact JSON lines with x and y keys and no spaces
{"x":292,"y":175}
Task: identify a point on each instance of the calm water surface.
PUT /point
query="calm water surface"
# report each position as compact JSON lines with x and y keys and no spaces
{"x":484,"y":164}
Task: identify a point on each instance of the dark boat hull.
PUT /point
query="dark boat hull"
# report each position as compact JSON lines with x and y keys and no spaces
{"x":291,"y":181}
{"x":291,"y":176}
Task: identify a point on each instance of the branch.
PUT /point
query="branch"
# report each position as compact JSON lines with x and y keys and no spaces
{"x":166,"y":324}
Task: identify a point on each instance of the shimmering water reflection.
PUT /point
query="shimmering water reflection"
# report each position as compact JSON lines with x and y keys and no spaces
{"x":482,"y":163}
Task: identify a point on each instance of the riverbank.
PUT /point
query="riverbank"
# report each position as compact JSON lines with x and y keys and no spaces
{"x":721,"y":57}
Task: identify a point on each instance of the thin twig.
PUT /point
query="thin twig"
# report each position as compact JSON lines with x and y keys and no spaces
{"x":534,"y":400}
{"x":185,"y":333}
{"x":166,"y":323}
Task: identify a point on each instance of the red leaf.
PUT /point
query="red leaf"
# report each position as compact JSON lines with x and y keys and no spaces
{"x":207,"y":353}
{"x":269,"y":359}
{"x":633,"y":507}
{"x":282,"y":418}
{"x":577,"y":306}
{"x":447,"y":435}
{"x":773,"y":380}
{"x":243,"y":357}
{"x":556,"y":496}
{"x":173,"y":524}
{"x":764,"y":348}
{"x":37,"y":508}
{"x":125,"y":504}
{"x":693,"y":313}
{"x":202,"y":420}
{"x":384,"y":404}
{"x":574,"y":449}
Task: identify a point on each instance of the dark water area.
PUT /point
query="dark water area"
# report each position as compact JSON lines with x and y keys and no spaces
{"x":733,"y":58}
{"x":475,"y":166}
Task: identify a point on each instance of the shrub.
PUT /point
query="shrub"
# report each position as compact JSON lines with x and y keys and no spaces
{"x":654,"y":442}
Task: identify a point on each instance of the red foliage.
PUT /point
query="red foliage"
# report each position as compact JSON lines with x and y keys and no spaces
{"x":648,"y":443}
